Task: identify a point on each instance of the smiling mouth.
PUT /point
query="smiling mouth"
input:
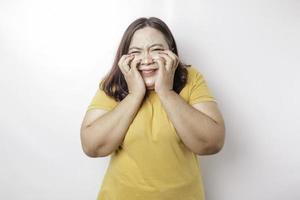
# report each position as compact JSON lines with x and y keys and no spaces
{"x":148,"y":72}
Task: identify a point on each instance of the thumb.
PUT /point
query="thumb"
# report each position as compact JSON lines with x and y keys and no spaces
{"x":134,"y":65}
{"x":160,"y":64}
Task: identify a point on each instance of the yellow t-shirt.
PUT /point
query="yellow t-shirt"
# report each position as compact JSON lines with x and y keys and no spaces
{"x":153,"y":163}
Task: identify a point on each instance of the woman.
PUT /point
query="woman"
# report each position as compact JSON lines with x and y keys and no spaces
{"x":153,"y":115}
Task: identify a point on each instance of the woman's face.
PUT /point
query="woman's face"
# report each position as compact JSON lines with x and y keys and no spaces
{"x":145,"y":45}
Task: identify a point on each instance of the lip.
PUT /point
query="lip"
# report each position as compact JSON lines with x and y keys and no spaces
{"x":147,"y":69}
{"x":148,"y":72}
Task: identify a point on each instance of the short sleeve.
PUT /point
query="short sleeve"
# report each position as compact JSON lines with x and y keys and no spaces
{"x":199,"y":91}
{"x":102,"y":101}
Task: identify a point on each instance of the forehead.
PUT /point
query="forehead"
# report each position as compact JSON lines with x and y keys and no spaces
{"x":146,"y":36}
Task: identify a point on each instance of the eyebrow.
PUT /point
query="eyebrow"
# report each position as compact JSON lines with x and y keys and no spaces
{"x":150,"y":46}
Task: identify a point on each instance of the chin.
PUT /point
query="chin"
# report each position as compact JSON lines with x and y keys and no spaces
{"x":149,"y":82}
{"x":149,"y":86}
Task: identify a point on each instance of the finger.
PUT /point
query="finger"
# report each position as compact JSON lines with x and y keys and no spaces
{"x":169,"y":61}
{"x":123,"y":57}
{"x":134,"y":64}
{"x":121,"y":64}
{"x":126,"y":63}
{"x":128,"y":60}
{"x":174,"y":57}
{"x":161,"y":66}
{"x":171,"y":54}
{"x":159,"y":60}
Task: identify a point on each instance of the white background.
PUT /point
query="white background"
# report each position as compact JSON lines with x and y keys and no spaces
{"x":53,"y":54}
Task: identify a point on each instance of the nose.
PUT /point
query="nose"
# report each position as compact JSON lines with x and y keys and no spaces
{"x":147,"y":59}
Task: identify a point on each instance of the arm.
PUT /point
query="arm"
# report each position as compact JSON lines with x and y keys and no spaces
{"x":101,"y":136}
{"x":201,"y":133}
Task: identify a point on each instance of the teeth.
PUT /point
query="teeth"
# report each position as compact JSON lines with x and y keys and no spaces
{"x":148,"y":69}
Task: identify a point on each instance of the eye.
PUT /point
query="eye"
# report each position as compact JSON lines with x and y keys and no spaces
{"x":157,"y":49}
{"x":134,"y":52}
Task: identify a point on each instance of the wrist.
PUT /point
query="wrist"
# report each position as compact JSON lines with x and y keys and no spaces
{"x":165,"y":93}
{"x":136,"y":97}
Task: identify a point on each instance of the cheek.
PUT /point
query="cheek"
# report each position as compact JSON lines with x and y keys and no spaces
{"x":137,"y":56}
{"x":154,"y":54}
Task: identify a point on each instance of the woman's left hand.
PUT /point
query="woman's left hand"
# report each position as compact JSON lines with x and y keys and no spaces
{"x":167,"y":63}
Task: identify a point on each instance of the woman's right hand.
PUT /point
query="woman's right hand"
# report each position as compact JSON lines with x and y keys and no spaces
{"x":134,"y":80}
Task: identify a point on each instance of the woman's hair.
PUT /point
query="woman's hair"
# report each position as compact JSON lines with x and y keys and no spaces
{"x":114,"y":83}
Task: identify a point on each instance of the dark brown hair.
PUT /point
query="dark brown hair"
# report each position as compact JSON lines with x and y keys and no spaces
{"x":114,"y":83}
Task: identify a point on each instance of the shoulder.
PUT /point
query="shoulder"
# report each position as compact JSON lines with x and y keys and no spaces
{"x":193,"y":74}
{"x":192,"y":70}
